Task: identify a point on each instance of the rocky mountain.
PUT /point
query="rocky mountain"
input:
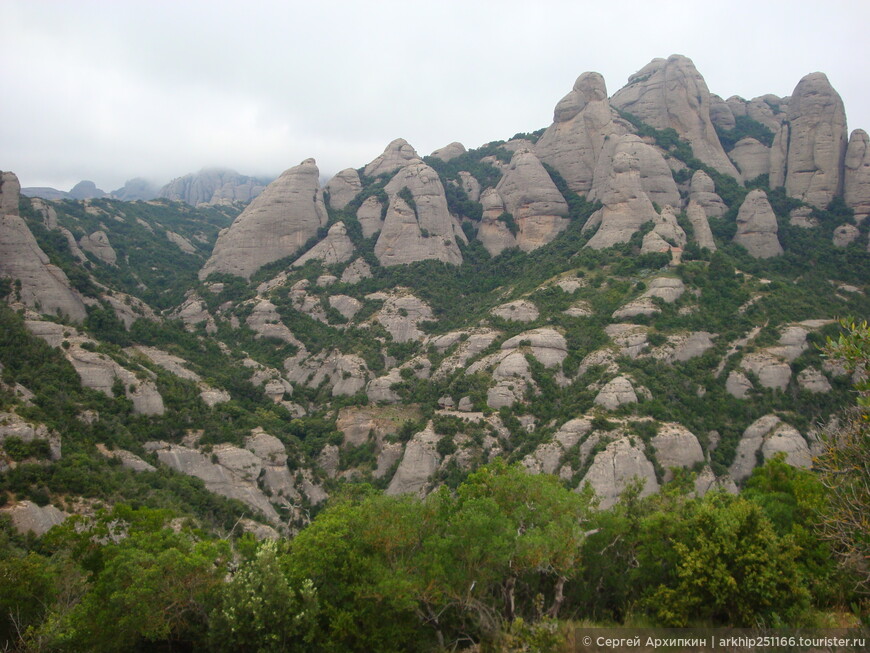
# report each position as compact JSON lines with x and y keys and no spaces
{"x":635,"y":293}
{"x":213,"y":186}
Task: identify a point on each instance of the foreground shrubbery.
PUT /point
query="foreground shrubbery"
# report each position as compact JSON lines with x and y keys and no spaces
{"x":495,"y":561}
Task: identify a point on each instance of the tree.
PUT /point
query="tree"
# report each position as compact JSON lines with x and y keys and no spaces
{"x":845,"y":462}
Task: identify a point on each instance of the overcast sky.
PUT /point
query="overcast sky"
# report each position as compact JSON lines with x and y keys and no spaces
{"x":111,"y":90}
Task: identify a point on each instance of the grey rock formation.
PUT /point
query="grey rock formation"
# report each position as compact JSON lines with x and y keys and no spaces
{"x":213,"y":186}
{"x":183,"y":243}
{"x":419,"y":462}
{"x":856,"y":177}
{"x":817,"y":142}
{"x":136,"y":189}
{"x":346,"y":374}
{"x":812,"y":380}
{"x":397,"y":155}
{"x":666,"y":236}
{"x":401,"y":315}
{"x":449,"y":152}
{"x":356,"y":272}
{"x":670,"y":93}
{"x":276,"y":224}
{"x":43,"y":286}
{"x":127,"y":459}
{"x":721,"y":114}
{"x":581,"y":122}
{"x":547,"y":345}
{"x":615,"y":393}
{"x":371,"y":216}
{"x":335,"y":248}
{"x":772,"y":371}
{"x":27,"y":517}
{"x":845,"y":235}
{"x":422,"y":231}
{"x":738,"y":385}
{"x":533,"y":200}
{"x":757,"y":226}
{"x":470,"y":185}
{"x":347,"y":306}
{"x":12,"y":425}
{"x":621,"y":462}
{"x":701,"y":232}
{"x":618,"y":187}
{"x":519,"y":310}
{"x":751,"y":158}
{"x":702,"y":191}
{"x":343,"y":187}
{"x":98,"y":244}
{"x":769,"y":435}
{"x":493,"y":233}
{"x":676,"y":446}
{"x":85,"y":190}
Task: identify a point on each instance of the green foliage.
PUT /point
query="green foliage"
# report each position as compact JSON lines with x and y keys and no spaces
{"x":745,"y":127}
{"x":17,"y":449}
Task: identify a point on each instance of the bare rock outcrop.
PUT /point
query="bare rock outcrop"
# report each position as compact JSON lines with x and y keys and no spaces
{"x":401,"y":315}
{"x":621,"y":462}
{"x":772,"y":371}
{"x":371,"y":216}
{"x":419,"y":461}
{"x":751,"y":157}
{"x":676,"y":446}
{"x":276,"y":224}
{"x":618,"y":187}
{"x":346,"y":374}
{"x":701,"y":232}
{"x":670,"y":93}
{"x":449,"y":152}
{"x":335,"y":248}
{"x":356,"y":272}
{"x":398,"y":154}
{"x":533,"y":200}
{"x":856,"y":177}
{"x":702,"y":191}
{"x":615,"y":393}
{"x":666,"y":236}
{"x":582,"y":120}
{"x":44,"y":286}
{"x":342,"y":188}
{"x":212,"y":186}
{"x":812,"y":380}
{"x":769,"y":435}
{"x":721,"y":114}
{"x":13,"y":425}
{"x":817,"y":142}
{"x":98,"y":244}
{"x":27,"y":517}
{"x":547,"y":345}
{"x":845,"y":235}
{"x":757,"y":226}
{"x":519,"y":310}
{"x":494,"y":233}
{"x":418,"y":225}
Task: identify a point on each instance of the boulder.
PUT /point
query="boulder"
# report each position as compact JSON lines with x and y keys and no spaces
{"x":470,"y":185}
{"x":751,"y":158}
{"x":738,"y":385}
{"x":519,"y":310}
{"x":670,"y":93}
{"x":342,"y":188}
{"x":845,"y":235}
{"x":449,"y":152}
{"x":582,"y":121}
{"x":621,"y":462}
{"x":371,"y":216}
{"x":13,"y":425}
{"x":265,"y":321}
{"x":547,"y":345}
{"x":27,"y":517}
{"x":419,"y":462}
{"x":618,"y":187}
{"x":346,"y":305}
{"x":631,"y":339}
{"x":768,"y":435}
{"x":418,"y":226}
{"x":772,"y":372}
{"x":494,"y":233}
{"x":615,"y":393}
{"x":98,"y":245}
{"x":401,"y":315}
{"x":335,"y":248}
{"x":702,"y":191}
{"x":533,"y":200}
{"x":757,"y":226}
{"x":676,"y":446}
{"x":127,"y":459}
{"x":183,"y":243}
{"x":856,"y":174}
{"x":817,"y":142}
{"x":666,"y":236}
{"x":720,"y":113}
{"x":356,"y":272}
{"x":398,"y":154}
{"x":701,"y":232}
{"x":812,"y":380}
{"x":275,"y":225}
